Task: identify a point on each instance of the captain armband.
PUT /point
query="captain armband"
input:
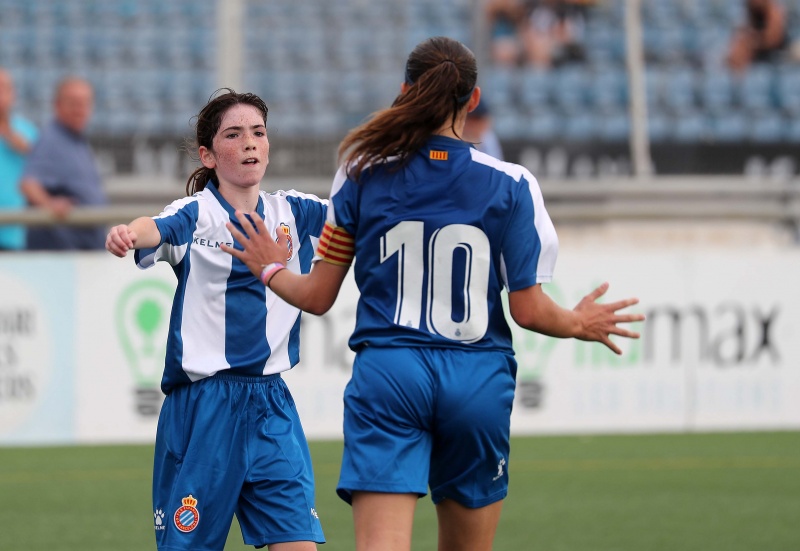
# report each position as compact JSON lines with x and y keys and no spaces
{"x":336,"y":246}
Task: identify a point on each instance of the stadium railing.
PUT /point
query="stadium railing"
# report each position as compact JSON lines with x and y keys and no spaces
{"x":690,"y":198}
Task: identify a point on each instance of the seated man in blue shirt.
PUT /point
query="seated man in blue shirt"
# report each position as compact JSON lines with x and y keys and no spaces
{"x":61,"y":172}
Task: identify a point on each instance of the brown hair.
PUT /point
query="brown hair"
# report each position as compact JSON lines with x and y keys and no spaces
{"x":441,"y":74}
{"x":207,"y":126}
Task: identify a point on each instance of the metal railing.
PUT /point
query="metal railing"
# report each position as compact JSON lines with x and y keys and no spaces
{"x":699,"y":198}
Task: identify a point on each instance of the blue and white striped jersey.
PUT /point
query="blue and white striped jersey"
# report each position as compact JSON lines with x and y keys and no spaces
{"x":437,"y":240}
{"x":223,"y":318}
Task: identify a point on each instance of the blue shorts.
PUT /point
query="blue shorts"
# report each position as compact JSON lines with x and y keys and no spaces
{"x":418,"y":417}
{"x":232,"y":444}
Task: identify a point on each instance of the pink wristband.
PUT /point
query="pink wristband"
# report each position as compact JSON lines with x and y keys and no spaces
{"x":268,"y":271}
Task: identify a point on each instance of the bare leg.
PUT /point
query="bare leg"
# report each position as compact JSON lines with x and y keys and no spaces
{"x":383,"y":522}
{"x":293,"y":546}
{"x":465,"y":529}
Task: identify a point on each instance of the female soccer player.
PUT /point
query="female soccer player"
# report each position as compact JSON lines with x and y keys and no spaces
{"x":229,"y":438}
{"x":438,"y":229}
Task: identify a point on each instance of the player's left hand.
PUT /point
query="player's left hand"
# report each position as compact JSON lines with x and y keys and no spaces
{"x":599,"y":320}
{"x":258,"y":246}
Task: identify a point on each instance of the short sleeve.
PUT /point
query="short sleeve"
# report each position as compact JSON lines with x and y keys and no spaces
{"x":530,"y":244}
{"x":176,"y":224}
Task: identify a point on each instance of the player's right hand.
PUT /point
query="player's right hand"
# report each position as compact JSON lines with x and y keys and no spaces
{"x":120,"y":240}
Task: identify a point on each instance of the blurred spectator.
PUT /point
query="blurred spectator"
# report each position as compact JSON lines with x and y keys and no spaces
{"x":505,"y":17}
{"x":16,"y":136}
{"x":541,"y":33}
{"x":61,"y":171}
{"x":479,"y":131}
{"x":554,"y":32}
{"x":761,"y":37}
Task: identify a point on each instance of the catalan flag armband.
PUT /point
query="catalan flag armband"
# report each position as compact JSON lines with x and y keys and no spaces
{"x":336,"y":245}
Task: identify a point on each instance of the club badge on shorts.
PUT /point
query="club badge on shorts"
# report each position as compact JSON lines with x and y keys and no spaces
{"x":187,"y":517}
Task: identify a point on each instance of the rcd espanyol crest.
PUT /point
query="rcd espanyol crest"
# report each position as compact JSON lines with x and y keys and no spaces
{"x":187,"y":517}
{"x":290,"y":245}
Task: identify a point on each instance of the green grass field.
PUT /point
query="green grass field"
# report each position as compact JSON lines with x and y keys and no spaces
{"x":703,"y":492}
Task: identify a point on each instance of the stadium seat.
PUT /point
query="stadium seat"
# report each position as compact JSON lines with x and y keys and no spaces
{"x":690,"y":127}
{"x":580,"y":126}
{"x":499,"y":84}
{"x":792,"y":131}
{"x":542,"y":126}
{"x":677,"y":89}
{"x":767,"y":127}
{"x":664,"y":44}
{"x":570,"y":85}
{"x":659,"y":127}
{"x":754,"y":88}
{"x":608,"y":89}
{"x":534,"y":89}
{"x":787,"y":89}
{"x":508,"y":124}
{"x":614,"y":126}
{"x":603,"y":43}
{"x":729,"y":127}
{"x":716,"y":91}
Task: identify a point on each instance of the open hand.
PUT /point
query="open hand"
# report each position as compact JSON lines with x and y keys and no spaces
{"x":599,"y":321}
{"x":258,"y":246}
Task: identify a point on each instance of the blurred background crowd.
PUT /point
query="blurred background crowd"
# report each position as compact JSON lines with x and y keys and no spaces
{"x":722,"y":77}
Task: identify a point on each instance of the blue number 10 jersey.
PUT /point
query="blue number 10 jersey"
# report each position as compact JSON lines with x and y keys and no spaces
{"x":437,"y":240}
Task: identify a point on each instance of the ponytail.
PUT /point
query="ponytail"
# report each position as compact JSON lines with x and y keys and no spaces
{"x":440,"y":74}
{"x":199,"y":178}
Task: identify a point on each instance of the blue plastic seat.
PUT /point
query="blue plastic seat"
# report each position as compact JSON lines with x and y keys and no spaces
{"x":716,"y":91}
{"x":767,"y":127}
{"x":690,"y":127}
{"x":570,"y":87}
{"x":677,"y":90}
{"x":508,"y":124}
{"x":792,"y":131}
{"x":542,"y":126}
{"x":614,"y":126}
{"x":499,"y":84}
{"x":754,"y":89}
{"x":664,"y":44}
{"x":659,"y":128}
{"x":534,"y":88}
{"x":608,"y":88}
{"x":729,"y":127}
{"x":580,"y":126}
{"x":787,"y":90}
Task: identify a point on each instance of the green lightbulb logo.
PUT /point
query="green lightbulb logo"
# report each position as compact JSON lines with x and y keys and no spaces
{"x":142,"y":319}
{"x":149,"y":316}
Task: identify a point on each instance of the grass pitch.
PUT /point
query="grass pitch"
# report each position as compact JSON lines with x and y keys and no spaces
{"x":687,"y":492}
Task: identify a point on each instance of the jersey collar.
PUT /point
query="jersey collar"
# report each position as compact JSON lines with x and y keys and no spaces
{"x":212,"y":187}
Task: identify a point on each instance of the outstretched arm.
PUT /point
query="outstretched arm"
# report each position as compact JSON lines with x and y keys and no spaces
{"x":139,"y":234}
{"x":532,"y":309}
{"x":314,"y":292}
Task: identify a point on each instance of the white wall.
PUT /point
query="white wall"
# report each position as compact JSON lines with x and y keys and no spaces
{"x":82,"y":339}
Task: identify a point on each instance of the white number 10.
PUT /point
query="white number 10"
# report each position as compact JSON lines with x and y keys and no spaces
{"x":406,"y":240}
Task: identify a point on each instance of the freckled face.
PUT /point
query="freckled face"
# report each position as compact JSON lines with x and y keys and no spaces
{"x":240,"y":149}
